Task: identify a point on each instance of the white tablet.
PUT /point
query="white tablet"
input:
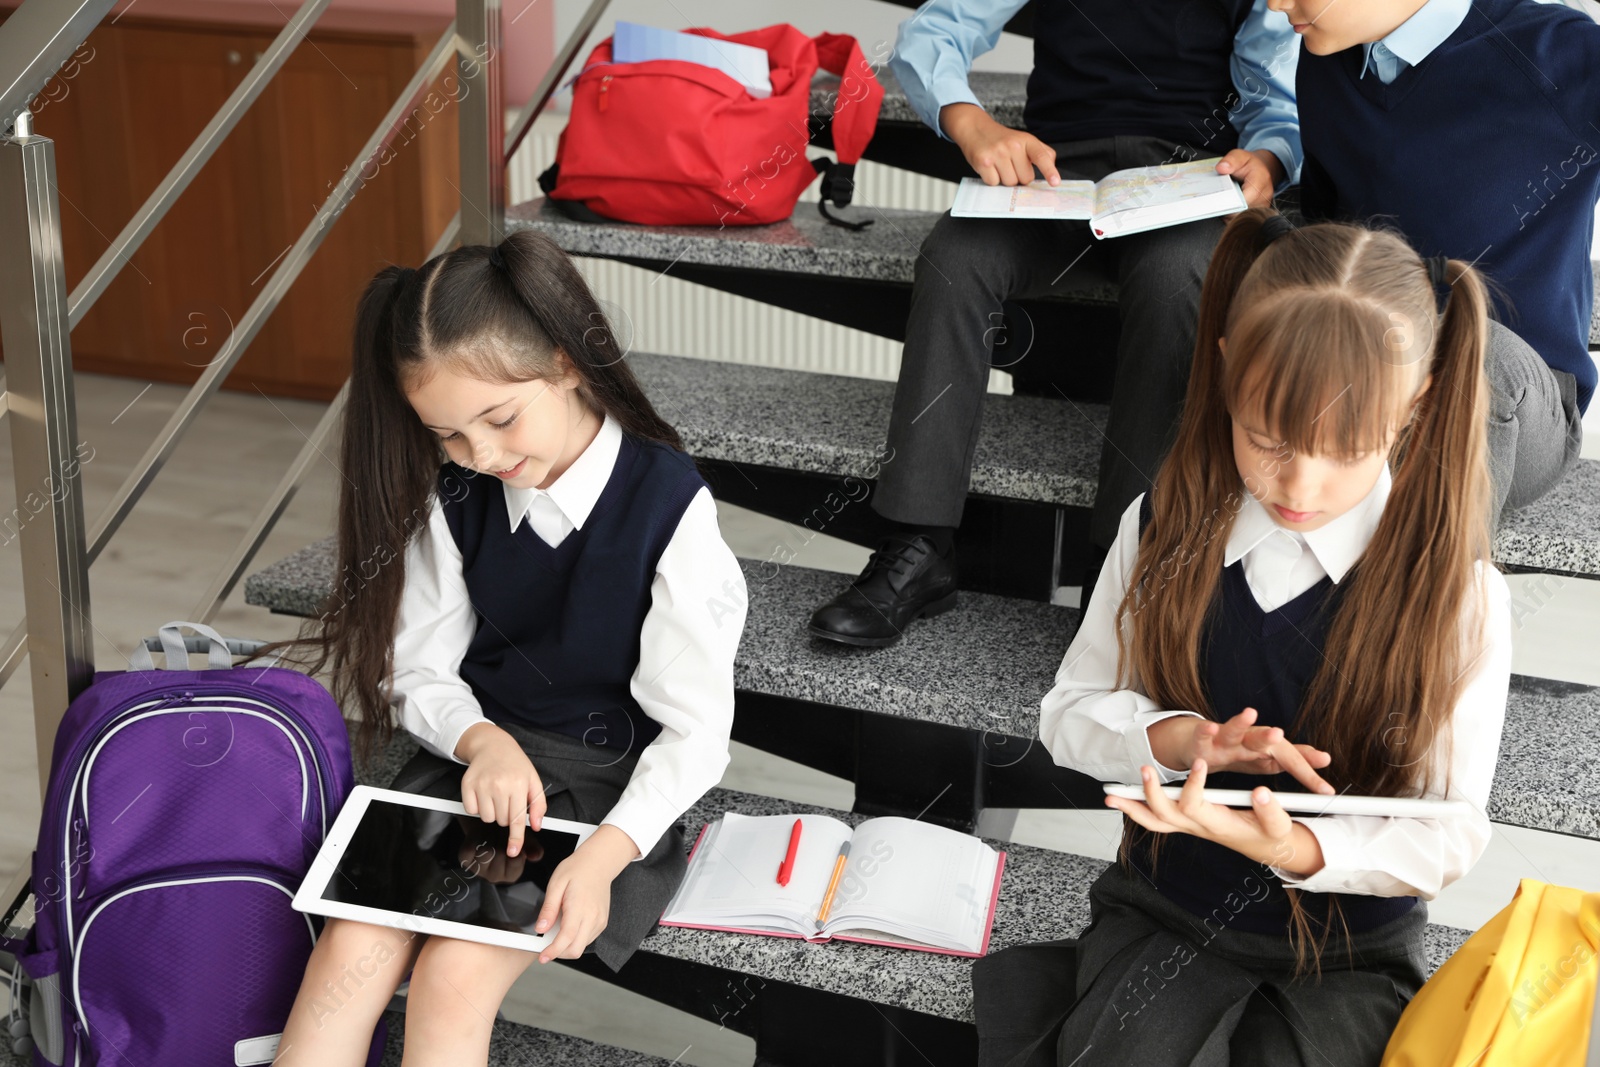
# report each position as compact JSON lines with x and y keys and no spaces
{"x":1315,"y":803}
{"x":423,"y":864}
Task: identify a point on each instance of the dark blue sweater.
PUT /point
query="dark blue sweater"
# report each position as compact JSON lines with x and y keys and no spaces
{"x":1152,"y":67}
{"x":557,"y":637}
{"x":1488,"y":150}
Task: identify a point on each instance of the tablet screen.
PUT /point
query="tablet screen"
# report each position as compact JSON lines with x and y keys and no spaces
{"x":445,"y":866}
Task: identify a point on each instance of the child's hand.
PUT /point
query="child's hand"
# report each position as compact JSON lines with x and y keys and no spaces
{"x":1236,"y":745}
{"x":998,"y":154}
{"x":500,"y":784}
{"x":580,"y":892}
{"x":1265,"y":833}
{"x":480,"y":859}
{"x":1259,"y":172}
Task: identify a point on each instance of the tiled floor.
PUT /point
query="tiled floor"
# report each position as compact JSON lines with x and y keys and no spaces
{"x":173,"y":545}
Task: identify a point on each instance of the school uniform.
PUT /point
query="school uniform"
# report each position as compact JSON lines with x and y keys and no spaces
{"x":1474,"y":128}
{"x":1114,"y":85}
{"x":596,"y":621}
{"x":1187,"y":959}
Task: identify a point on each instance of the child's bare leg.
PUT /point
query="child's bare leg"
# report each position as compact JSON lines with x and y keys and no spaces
{"x":455,"y":991}
{"x":350,"y":978}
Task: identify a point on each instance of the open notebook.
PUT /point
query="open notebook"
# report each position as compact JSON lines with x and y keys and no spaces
{"x":1123,"y":202}
{"x":907,"y":884}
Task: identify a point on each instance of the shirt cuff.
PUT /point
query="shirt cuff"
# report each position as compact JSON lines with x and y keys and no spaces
{"x":957,"y":95}
{"x":450,"y":733}
{"x":642,"y":820}
{"x":1339,"y":857}
{"x":1138,"y":739}
{"x":1286,"y":153}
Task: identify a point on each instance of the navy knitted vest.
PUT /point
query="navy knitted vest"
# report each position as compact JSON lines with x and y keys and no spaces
{"x":1263,"y":660}
{"x":1485,"y":151}
{"x":1155,"y":67}
{"x":557,"y":637}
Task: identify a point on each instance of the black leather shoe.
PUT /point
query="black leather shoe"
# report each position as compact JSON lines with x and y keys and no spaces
{"x":903,"y":580}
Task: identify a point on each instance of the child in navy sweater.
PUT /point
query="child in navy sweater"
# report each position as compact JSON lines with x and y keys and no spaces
{"x":1474,"y":126}
{"x":533,"y":583}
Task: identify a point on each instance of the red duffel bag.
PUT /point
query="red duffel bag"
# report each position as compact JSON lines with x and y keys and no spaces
{"x":668,"y":142}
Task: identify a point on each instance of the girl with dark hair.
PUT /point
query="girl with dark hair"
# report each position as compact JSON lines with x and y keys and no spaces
{"x":1306,"y":595}
{"x":531,"y":580}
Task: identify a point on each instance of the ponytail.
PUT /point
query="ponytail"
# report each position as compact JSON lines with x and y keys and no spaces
{"x":389,"y":465}
{"x":1182,"y":561}
{"x":1415,"y":581}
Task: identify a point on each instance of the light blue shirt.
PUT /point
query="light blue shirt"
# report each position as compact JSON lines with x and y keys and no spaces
{"x":1414,"y":39}
{"x":935,"y":48}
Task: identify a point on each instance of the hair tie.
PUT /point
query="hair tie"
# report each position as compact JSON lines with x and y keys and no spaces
{"x":1274,"y":227}
{"x":1438,"y":270}
{"x":495,"y":257}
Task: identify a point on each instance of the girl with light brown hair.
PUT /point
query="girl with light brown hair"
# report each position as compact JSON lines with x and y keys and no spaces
{"x":1304,"y":602}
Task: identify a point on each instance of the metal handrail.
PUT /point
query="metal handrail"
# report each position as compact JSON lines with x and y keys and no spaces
{"x":552,"y":77}
{"x":288,"y":270}
{"x":272,"y":294}
{"x":182,"y":173}
{"x":34,"y":42}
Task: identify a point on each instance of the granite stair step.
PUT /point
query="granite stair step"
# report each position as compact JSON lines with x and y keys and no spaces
{"x":1001,"y":93}
{"x":514,"y":1045}
{"x":804,"y":244}
{"x":1029,"y":448}
{"x":1043,"y":896}
{"x":965,"y":686}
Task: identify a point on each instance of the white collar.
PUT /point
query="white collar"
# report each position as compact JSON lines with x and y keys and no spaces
{"x":579,"y":486}
{"x":1337,"y":545}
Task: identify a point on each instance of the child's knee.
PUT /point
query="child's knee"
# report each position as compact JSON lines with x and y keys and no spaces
{"x":453,"y":968}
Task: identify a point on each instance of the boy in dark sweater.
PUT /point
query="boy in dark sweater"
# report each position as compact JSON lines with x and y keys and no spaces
{"x":1115,"y":84}
{"x":1474,"y":126}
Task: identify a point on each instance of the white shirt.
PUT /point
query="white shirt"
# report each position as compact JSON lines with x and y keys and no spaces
{"x":684,"y":679}
{"x":1091,"y":725}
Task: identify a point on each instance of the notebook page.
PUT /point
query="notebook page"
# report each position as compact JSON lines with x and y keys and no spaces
{"x":1036,"y":200}
{"x":1143,"y":187}
{"x":734,"y":873}
{"x":919,"y":881}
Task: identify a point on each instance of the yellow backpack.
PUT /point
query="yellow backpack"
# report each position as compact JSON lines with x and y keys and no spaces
{"x":1520,"y":993}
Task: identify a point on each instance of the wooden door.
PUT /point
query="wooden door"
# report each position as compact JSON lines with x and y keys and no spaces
{"x":126,"y":110}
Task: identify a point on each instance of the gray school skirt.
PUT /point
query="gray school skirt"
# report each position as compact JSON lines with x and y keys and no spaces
{"x":582,"y":783}
{"x":1148,"y":983}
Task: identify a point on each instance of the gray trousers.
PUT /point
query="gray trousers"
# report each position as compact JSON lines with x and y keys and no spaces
{"x":1535,"y":428}
{"x":968,"y":267}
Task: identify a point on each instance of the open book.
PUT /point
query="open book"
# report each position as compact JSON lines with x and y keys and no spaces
{"x":905,"y":883}
{"x":1123,"y":202}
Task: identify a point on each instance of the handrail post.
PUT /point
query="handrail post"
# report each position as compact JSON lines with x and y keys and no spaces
{"x":482,"y":122}
{"x":48,"y":520}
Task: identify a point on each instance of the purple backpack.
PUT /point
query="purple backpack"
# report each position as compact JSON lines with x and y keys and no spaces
{"x":184,"y":809}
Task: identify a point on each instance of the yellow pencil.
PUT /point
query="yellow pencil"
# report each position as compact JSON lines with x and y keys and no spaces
{"x":833,"y":885}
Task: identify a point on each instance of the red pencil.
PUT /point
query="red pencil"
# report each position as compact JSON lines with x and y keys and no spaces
{"x":786,"y":868}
